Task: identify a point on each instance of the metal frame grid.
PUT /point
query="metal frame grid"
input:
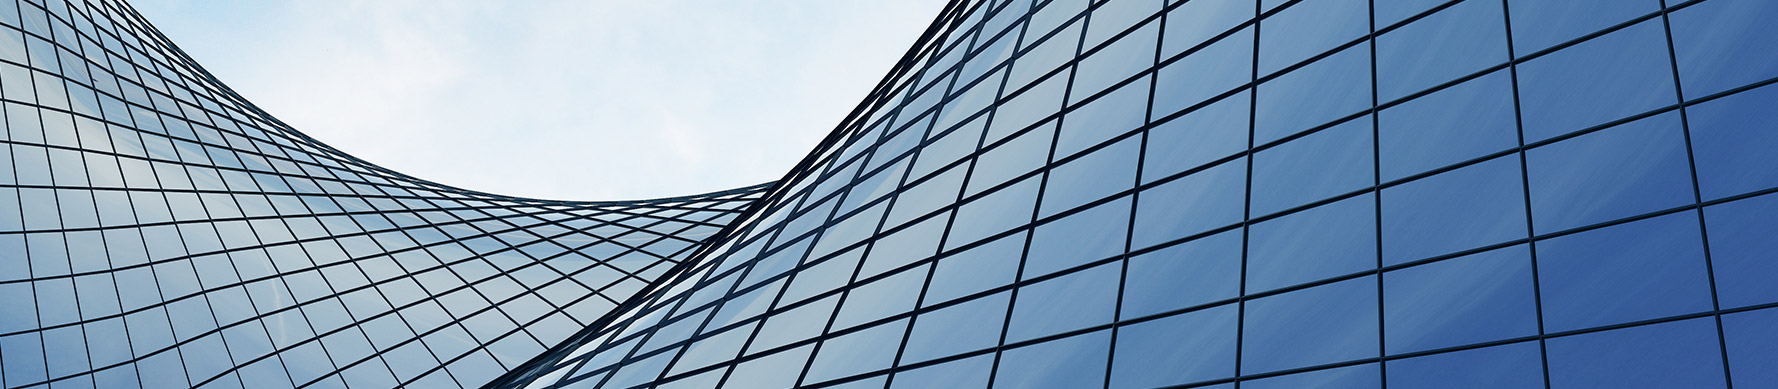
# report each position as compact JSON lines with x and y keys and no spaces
{"x":1037,"y":196}
{"x":156,"y":230}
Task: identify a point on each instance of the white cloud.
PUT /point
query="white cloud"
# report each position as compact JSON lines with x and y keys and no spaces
{"x":556,"y":99}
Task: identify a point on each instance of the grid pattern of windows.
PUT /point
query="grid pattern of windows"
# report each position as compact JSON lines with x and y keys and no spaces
{"x":1264,"y":193}
{"x":158,"y":231}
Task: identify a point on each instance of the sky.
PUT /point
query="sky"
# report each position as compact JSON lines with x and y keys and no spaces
{"x":562,"y":100}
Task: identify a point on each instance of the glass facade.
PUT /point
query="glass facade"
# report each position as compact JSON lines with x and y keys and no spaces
{"x":1256,"y":193}
{"x":158,"y":231}
{"x":1042,"y":193}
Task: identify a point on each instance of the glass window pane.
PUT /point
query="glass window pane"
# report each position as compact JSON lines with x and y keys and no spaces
{"x":963,"y":373}
{"x":1207,"y":134}
{"x":1202,"y":201}
{"x":1619,"y":172}
{"x":1092,"y":234}
{"x":1680,"y":354}
{"x":1641,"y":270}
{"x":1470,"y":207}
{"x":1732,"y":141}
{"x":970,"y":326}
{"x":982,"y":267}
{"x":1539,"y":24}
{"x":1070,"y":302}
{"x":1190,"y":347}
{"x":1517,"y":365}
{"x":1196,"y":21}
{"x":1451,"y":125}
{"x":1456,"y":41}
{"x":1108,"y":116}
{"x":1752,"y":347}
{"x":1213,"y":70}
{"x":1308,"y":28}
{"x":1465,"y":300}
{"x":1741,"y":249}
{"x":1189,"y":274}
{"x":1093,"y":176}
{"x":1328,"y":89}
{"x":1330,"y":162}
{"x":1325,"y":241}
{"x":1324,"y":324}
{"x":1361,"y":376}
{"x":858,"y":352}
{"x":1607,"y":78}
{"x":1719,"y":44}
{"x":1074,"y":362}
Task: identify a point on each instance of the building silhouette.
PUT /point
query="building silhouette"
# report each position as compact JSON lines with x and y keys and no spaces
{"x":1060,"y":193}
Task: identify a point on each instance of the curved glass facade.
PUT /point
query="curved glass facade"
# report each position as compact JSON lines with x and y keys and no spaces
{"x":1060,"y":193}
{"x":1263,"y":193}
{"x":158,"y":231}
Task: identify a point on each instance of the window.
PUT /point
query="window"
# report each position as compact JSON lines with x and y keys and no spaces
{"x":1676,"y":354}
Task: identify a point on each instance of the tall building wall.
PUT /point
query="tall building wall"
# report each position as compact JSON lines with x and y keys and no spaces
{"x":1061,"y":193}
{"x":1212,"y":193}
{"x":156,"y":230}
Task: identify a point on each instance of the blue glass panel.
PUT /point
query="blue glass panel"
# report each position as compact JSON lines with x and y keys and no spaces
{"x":1092,"y":234}
{"x":1717,"y":45}
{"x":1621,"y":171}
{"x":1326,"y":163}
{"x":1324,"y":324}
{"x":1204,"y":135}
{"x":1325,"y":241}
{"x":999,"y":211}
{"x":1315,"y":94}
{"x":858,"y":352}
{"x":1115,"y":62}
{"x":1470,"y":299}
{"x":1208,"y":268}
{"x":881,"y":298}
{"x":1741,"y":249}
{"x":1190,"y":347}
{"x":1199,"y":202}
{"x":1452,"y":125}
{"x":1308,"y":28}
{"x":1121,"y":110}
{"x":1470,"y":207}
{"x":963,"y":373}
{"x":1093,"y":176}
{"x":1391,"y":12}
{"x":1640,"y":270}
{"x":1078,"y":300}
{"x":1196,"y":21}
{"x":1752,"y":347}
{"x":970,"y":326}
{"x":1517,"y":365}
{"x":1458,"y":40}
{"x":1213,"y":70}
{"x":768,"y":371}
{"x":1361,"y":376}
{"x":990,"y":265}
{"x":1073,"y":362}
{"x":1539,"y":24}
{"x":1666,"y":355}
{"x":1731,"y":136}
{"x":1598,"y":81}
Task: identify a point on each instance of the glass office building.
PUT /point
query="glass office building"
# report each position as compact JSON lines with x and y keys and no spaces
{"x":158,"y":231}
{"x":1042,"y":193}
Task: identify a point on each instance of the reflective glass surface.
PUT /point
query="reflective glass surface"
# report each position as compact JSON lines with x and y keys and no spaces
{"x":1043,"y":193}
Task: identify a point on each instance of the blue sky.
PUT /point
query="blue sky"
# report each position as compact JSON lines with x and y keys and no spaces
{"x":571,"y":100}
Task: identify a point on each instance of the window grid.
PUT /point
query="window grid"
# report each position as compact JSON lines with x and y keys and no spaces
{"x":731,"y":260}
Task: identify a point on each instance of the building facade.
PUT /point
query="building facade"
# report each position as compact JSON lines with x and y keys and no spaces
{"x":1060,"y":193}
{"x":1271,"y":193}
{"x":156,"y":230}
